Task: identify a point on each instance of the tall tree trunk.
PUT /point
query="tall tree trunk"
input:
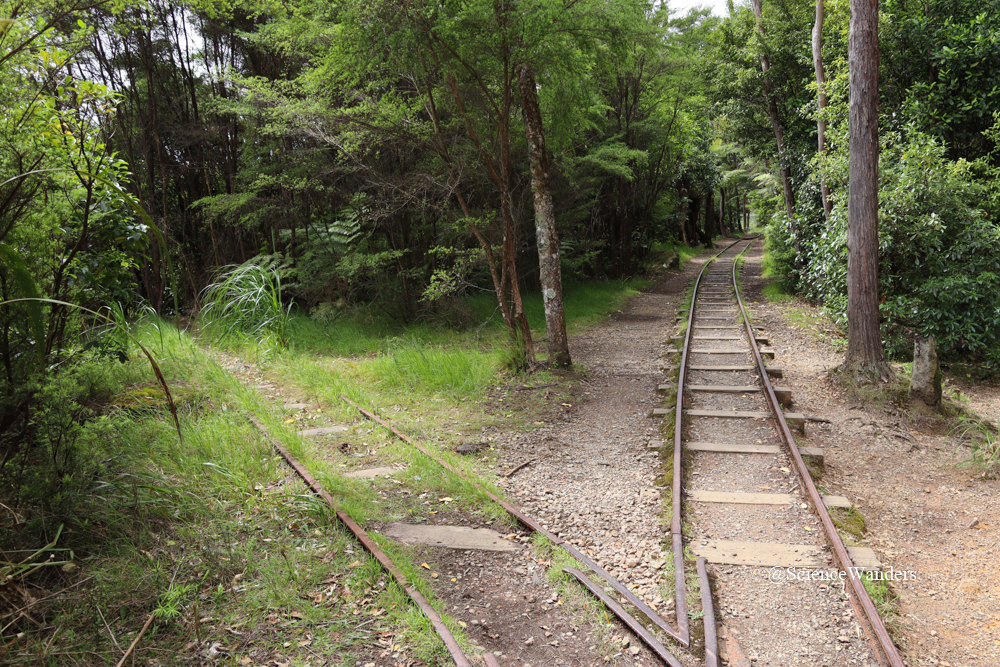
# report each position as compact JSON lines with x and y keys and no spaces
{"x":817,"y":48}
{"x":711,"y":222}
{"x":694,"y":213}
{"x":549,"y":270}
{"x":864,"y":341}
{"x":779,"y":135}
{"x":684,"y":213}
{"x":722,"y":212}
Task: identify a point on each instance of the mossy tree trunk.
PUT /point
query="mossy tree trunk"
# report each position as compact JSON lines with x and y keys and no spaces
{"x":549,"y":272}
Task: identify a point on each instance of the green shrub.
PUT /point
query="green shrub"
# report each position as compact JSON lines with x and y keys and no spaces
{"x":939,"y":270}
{"x":64,"y":444}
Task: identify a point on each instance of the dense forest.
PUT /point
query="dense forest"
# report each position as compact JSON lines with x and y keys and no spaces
{"x":353,"y":159}
{"x":379,"y":154}
{"x":222,"y":171}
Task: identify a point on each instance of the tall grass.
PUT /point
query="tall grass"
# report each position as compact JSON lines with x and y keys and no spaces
{"x":245,"y":304}
{"x":456,"y":372}
{"x":353,"y":336}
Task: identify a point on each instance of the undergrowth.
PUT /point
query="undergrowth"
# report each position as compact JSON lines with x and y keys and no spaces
{"x":214,"y":536}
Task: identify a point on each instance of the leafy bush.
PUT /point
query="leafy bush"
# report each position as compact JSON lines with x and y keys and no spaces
{"x":64,"y":445}
{"x":779,"y":245}
{"x":939,"y":269}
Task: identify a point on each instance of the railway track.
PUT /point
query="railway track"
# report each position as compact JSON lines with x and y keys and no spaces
{"x":758,"y":521}
{"x":730,"y":429}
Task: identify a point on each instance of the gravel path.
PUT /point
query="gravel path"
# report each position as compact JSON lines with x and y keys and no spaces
{"x":594,"y":482}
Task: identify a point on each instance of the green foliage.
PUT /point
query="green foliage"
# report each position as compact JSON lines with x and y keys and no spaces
{"x":943,"y":56}
{"x":70,"y":238}
{"x":939,"y":274}
{"x":66,"y":449}
{"x":780,"y":249}
{"x":246,"y":304}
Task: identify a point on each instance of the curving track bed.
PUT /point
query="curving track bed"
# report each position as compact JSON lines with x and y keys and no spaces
{"x":787,"y":589}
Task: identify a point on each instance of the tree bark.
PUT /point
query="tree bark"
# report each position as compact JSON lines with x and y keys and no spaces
{"x":817,"y":49}
{"x":722,"y":212}
{"x":711,"y":222}
{"x":865,"y":354}
{"x":549,"y":270}
{"x":779,"y":135}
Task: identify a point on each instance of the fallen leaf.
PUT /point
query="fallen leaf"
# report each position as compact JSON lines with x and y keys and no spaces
{"x":425,"y":566}
{"x":296,"y":614}
{"x":289,"y":421}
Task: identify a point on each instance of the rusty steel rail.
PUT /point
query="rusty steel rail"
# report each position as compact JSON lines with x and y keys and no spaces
{"x":626,"y":618}
{"x":708,"y":608}
{"x":461,"y":660}
{"x":676,"y":533}
{"x":534,"y":525}
{"x":875,"y":628}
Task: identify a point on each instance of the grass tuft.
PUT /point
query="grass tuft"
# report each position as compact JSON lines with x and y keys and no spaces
{"x":885,"y":598}
{"x":245,"y":304}
{"x":849,"y":520}
{"x":983,"y":440}
{"x":778,"y":291}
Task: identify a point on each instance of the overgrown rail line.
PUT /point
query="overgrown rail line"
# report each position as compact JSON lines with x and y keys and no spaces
{"x":681,"y":633}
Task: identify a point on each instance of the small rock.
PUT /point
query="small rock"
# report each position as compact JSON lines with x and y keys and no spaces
{"x":634,"y":650}
{"x":467,"y":448}
{"x":975,"y":522}
{"x":843,"y":639}
{"x":529,"y":641}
